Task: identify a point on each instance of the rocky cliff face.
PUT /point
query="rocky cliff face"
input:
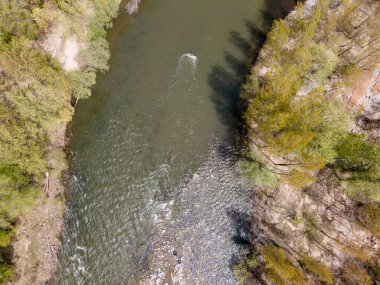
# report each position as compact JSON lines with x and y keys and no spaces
{"x":320,"y":221}
{"x":320,"y":233}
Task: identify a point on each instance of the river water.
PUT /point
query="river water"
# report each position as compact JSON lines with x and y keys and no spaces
{"x":154,"y":166}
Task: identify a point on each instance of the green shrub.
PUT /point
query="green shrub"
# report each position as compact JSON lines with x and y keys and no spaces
{"x":298,"y":178}
{"x":82,"y":81}
{"x":16,"y":21}
{"x":241,"y":272}
{"x":323,"y":273}
{"x":6,"y":272}
{"x":353,"y":274}
{"x":5,"y":236}
{"x":325,"y":61}
{"x":254,"y":170}
{"x":355,"y":154}
{"x":369,"y":216}
{"x":361,"y":253}
{"x":252,"y":261}
{"x":362,"y":190}
{"x":250,"y":88}
{"x":376,"y":272}
{"x":360,"y":162}
{"x":336,"y":126}
{"x":280,"y":269}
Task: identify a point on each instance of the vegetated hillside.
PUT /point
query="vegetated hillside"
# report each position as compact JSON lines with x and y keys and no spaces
{"x":49,"y":53}
{"x":312,"y":118}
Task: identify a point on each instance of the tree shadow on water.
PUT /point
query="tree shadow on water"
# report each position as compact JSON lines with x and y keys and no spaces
{"x":242,"y":223}
{"x":275,"y":9}
{"x":227,"y":78}
{"x":243,"y":233}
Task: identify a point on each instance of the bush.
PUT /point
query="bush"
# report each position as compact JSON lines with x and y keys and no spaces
{"x":369,"y":216}
{"x":255,"y":171}
{"x":323,"y":273}
{"x":82,"y":81}
{"x":252,"y":261}
{"x":325,"y":61}
{"x":362,"y":190}
{"x":241,"y":272}
{"x":298,"y":178}
{"x":16,"y":21}
{"x":336,"y":126}
{"x":353,"y":274}
{"x":5,"y":236}
{"x":355,"y":154}
{"x":376,"y":272}
{"x":280,"y":269}
{"x":6,"y":272}
{"x":360,"y":253}
{"x":250,"y":88}
{"x":360,"y":162}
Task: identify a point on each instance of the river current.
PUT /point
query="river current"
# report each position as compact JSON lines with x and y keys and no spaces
{"x":156,"y":194}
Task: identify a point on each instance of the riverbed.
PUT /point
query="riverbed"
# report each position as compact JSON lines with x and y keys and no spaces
{"x":156,"y":194}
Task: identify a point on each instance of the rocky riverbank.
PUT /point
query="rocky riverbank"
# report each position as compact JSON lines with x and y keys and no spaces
{"x":317,"y":229}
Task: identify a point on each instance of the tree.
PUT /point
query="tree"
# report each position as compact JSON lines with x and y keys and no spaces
{"x":336,"y":126}
{"x":356,"y":154}
{"x":277,"y":37}
{"x":280,"y":269}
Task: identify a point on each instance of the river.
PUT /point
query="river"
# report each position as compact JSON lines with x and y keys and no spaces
{"x":154,"y":165}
